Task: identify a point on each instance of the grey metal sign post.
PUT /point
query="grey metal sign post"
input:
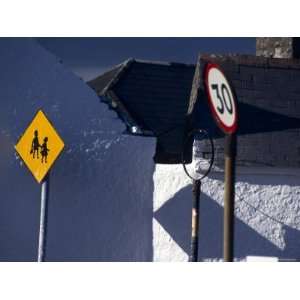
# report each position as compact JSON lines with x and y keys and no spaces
{"x":43,"y":219}
{"x":39,"y":147}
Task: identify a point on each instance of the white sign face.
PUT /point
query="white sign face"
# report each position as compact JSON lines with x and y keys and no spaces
{"x":221,"y":98}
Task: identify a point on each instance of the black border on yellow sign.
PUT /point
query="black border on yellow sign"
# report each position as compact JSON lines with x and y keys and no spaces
{"x":40,"y":110}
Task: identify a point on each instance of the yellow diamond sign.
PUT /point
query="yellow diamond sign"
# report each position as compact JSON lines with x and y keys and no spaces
{"x":39,"y":146}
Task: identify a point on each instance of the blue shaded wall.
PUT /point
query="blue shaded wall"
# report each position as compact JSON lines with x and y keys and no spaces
{"x":101,"y":187}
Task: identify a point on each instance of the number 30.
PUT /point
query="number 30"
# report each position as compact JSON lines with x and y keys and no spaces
{"x":224,"y":101}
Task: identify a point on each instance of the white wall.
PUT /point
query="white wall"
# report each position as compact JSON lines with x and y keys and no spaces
{"x":103,"y":190}
{"x":267,"y":214}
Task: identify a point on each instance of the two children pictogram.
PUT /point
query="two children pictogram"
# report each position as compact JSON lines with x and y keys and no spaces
{"x":35,"y":145}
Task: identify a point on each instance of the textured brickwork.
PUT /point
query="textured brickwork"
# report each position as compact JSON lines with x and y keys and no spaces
{"x":278,"y":47}
{"x":268,"y":92}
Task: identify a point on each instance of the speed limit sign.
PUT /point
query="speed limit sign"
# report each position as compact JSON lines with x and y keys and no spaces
{"x":222,"y":102}
{"x":221,"y":98}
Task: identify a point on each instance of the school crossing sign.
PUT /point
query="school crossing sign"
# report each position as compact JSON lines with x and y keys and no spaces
{"x":39,"y":146}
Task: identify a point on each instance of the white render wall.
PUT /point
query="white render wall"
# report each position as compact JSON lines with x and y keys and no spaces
{"x":267,"y":214}
{"x":103,"y":186}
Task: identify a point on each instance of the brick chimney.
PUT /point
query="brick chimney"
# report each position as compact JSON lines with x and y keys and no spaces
{"x":278,"y":47}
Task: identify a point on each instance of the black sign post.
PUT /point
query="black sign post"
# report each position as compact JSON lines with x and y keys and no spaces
{"x":195,"y":220}
{"x":199,"y":170}
{"x":222,"y":103}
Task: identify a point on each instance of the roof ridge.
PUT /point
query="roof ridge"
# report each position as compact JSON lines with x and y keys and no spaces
{"x":165,"y":63}
{"x":254,"y":60}
{"x":119,"y":70}
{"x":114,"y":80}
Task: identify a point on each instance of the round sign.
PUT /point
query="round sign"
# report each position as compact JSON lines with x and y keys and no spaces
{"x":221,"y":98}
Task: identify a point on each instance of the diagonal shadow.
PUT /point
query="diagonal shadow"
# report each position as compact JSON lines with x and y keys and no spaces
{"x":175,"y":217}
{"x":251,"y":120}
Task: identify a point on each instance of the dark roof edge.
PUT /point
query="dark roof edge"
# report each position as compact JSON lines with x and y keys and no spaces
{"x":124,"y":66}
{"x":162,"y":63}
{"x":253,"y":60}
{"x":108,"y":96}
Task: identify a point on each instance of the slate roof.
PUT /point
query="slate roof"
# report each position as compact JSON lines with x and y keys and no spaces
{"x":104,"y":81}
{"x":155,"y":98}
{"x":268,"y":94}
{"x":152,"y":99}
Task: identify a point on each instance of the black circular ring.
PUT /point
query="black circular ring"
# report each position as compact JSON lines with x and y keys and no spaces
{"x":190,"y":134}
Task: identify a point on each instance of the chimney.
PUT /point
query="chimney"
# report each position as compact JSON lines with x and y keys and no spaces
{"x":278,"y":47}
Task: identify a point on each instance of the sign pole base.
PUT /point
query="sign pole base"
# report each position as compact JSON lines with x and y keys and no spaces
{"x":43,"y":219}
{"x":230,"y":154}
{"x":195,"y":217}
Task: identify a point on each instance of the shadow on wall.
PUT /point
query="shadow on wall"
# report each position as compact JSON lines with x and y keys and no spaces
{"x":175,"y":217}
{"x":101,"y":187}
{"x":113,"y":220}
{"x":276,"y":121}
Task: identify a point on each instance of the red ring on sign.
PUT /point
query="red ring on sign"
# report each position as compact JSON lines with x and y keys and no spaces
{"x":226,"y":129}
